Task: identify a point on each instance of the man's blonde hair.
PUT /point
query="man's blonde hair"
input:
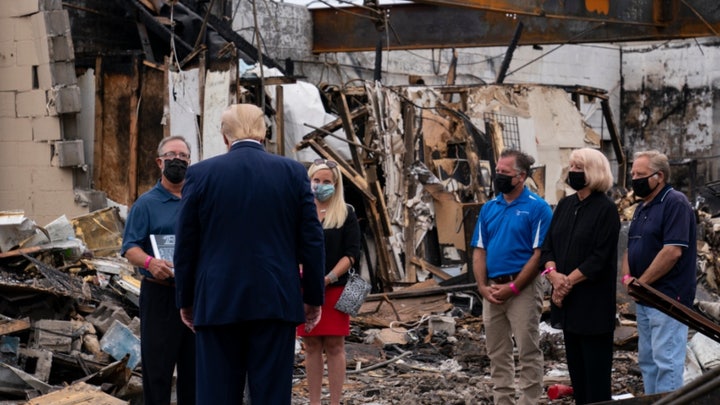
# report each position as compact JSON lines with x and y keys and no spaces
{"x":243,"y":121}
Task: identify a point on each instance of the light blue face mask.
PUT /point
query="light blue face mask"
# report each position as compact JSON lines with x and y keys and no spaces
{"x":323,"y":192}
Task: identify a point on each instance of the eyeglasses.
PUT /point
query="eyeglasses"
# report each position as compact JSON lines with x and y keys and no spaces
{"x":173,"y":155}
{"x":329,"y":163}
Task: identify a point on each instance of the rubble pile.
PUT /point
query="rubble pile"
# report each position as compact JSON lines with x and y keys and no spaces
{"x":68,"y":323}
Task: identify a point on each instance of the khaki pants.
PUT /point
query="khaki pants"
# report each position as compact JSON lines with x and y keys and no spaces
{"x":519,"y":317}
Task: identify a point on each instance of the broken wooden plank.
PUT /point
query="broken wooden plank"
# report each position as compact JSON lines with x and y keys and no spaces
{"x":23,"y":251}
{"x":410,"y":191}
{"x":9,"y":325}
{"x":430,"y":268}
{"x":422,"y":292}
{"x":79,"y":393}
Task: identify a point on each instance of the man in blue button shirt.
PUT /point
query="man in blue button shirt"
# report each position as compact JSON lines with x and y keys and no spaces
{"x":165,"y":341}
{"x":662,"y":252}
{"x":507,"y":239}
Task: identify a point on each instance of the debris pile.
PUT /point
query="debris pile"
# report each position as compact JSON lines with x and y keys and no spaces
{"x":69,"y":322}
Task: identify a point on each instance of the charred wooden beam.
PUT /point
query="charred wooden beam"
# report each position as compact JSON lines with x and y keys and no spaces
{"x":332,"y":126}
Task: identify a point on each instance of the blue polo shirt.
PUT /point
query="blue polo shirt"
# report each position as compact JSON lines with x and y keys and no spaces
{"x":154,"y":212}
{"x":666,"y":220}
{"x":510,"y":233}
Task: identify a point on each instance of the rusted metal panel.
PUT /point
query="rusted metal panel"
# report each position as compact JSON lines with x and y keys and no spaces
{"x":422,"y":26}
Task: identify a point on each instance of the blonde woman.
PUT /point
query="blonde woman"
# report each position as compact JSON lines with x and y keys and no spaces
{"x":580,"y":260}
{"x":342,"y":250}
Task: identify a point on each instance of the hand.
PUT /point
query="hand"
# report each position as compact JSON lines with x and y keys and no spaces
{"x":489,"y":292}
{"x":161,"y":269}
{"x":557,"y":298}
{"x":186,"y":314}
{"x":626,"y":282}
{"x":561,"y":283}
{"x":503,"y":292}
{"x":312,"y":317}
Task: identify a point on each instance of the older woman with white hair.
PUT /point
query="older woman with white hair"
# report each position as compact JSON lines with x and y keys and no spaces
{"x":342,"y":251}
{"x":580,"y":260}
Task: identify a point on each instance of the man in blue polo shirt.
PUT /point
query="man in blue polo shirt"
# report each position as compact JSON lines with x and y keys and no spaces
{"x":507,"y":239}
{"x":662,"y":252}
{"x":165,"y":341}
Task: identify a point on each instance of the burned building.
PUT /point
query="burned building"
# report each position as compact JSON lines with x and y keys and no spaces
{"x":89,"y":87}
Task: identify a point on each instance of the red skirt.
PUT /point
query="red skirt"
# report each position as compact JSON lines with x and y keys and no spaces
{"x":332,"y":322}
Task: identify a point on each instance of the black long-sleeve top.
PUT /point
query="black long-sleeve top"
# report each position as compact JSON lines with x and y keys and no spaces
{"x":584,"y":235}
{"x":341,"y":242}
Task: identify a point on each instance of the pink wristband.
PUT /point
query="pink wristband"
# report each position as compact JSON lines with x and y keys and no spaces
{"x":147,"y":262}
{"x":625,"y":277}
{"x":514,"y":289}
{"x":548,"y":270}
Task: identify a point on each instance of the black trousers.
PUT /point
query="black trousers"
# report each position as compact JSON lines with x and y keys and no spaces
{"x":260,"y":352}
{"x":589,"y":359}
{"x":164,"y":343}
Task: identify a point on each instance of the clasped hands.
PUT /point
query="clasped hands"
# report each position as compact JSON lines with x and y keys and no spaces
{"x":496,"y":293}
{"x":561,"y":287}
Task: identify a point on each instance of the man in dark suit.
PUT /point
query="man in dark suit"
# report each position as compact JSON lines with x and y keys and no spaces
{"x":247,"y":221}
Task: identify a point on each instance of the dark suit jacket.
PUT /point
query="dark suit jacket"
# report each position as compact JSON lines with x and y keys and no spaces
{"x":247,"y":220}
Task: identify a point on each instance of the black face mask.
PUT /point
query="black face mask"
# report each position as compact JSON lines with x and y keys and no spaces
{"x":174,"y":170}
{"x":576,"y":180}
{"x":503,"y":183}
{"x":641,"y":186}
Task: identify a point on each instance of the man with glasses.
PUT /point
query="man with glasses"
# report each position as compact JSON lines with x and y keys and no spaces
{"x":508,"y":237}
{"x":662,"y":253}
{"x":165,"y":342}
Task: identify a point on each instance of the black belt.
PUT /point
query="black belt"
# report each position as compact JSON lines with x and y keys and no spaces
{"x":504,"y":279}
{"x":158,"y":281}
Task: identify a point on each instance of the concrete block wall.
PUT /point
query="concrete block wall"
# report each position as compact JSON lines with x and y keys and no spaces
{"x":38,"y":87}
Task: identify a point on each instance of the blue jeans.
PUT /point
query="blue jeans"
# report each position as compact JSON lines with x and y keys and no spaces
{"x":662,"y":343}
